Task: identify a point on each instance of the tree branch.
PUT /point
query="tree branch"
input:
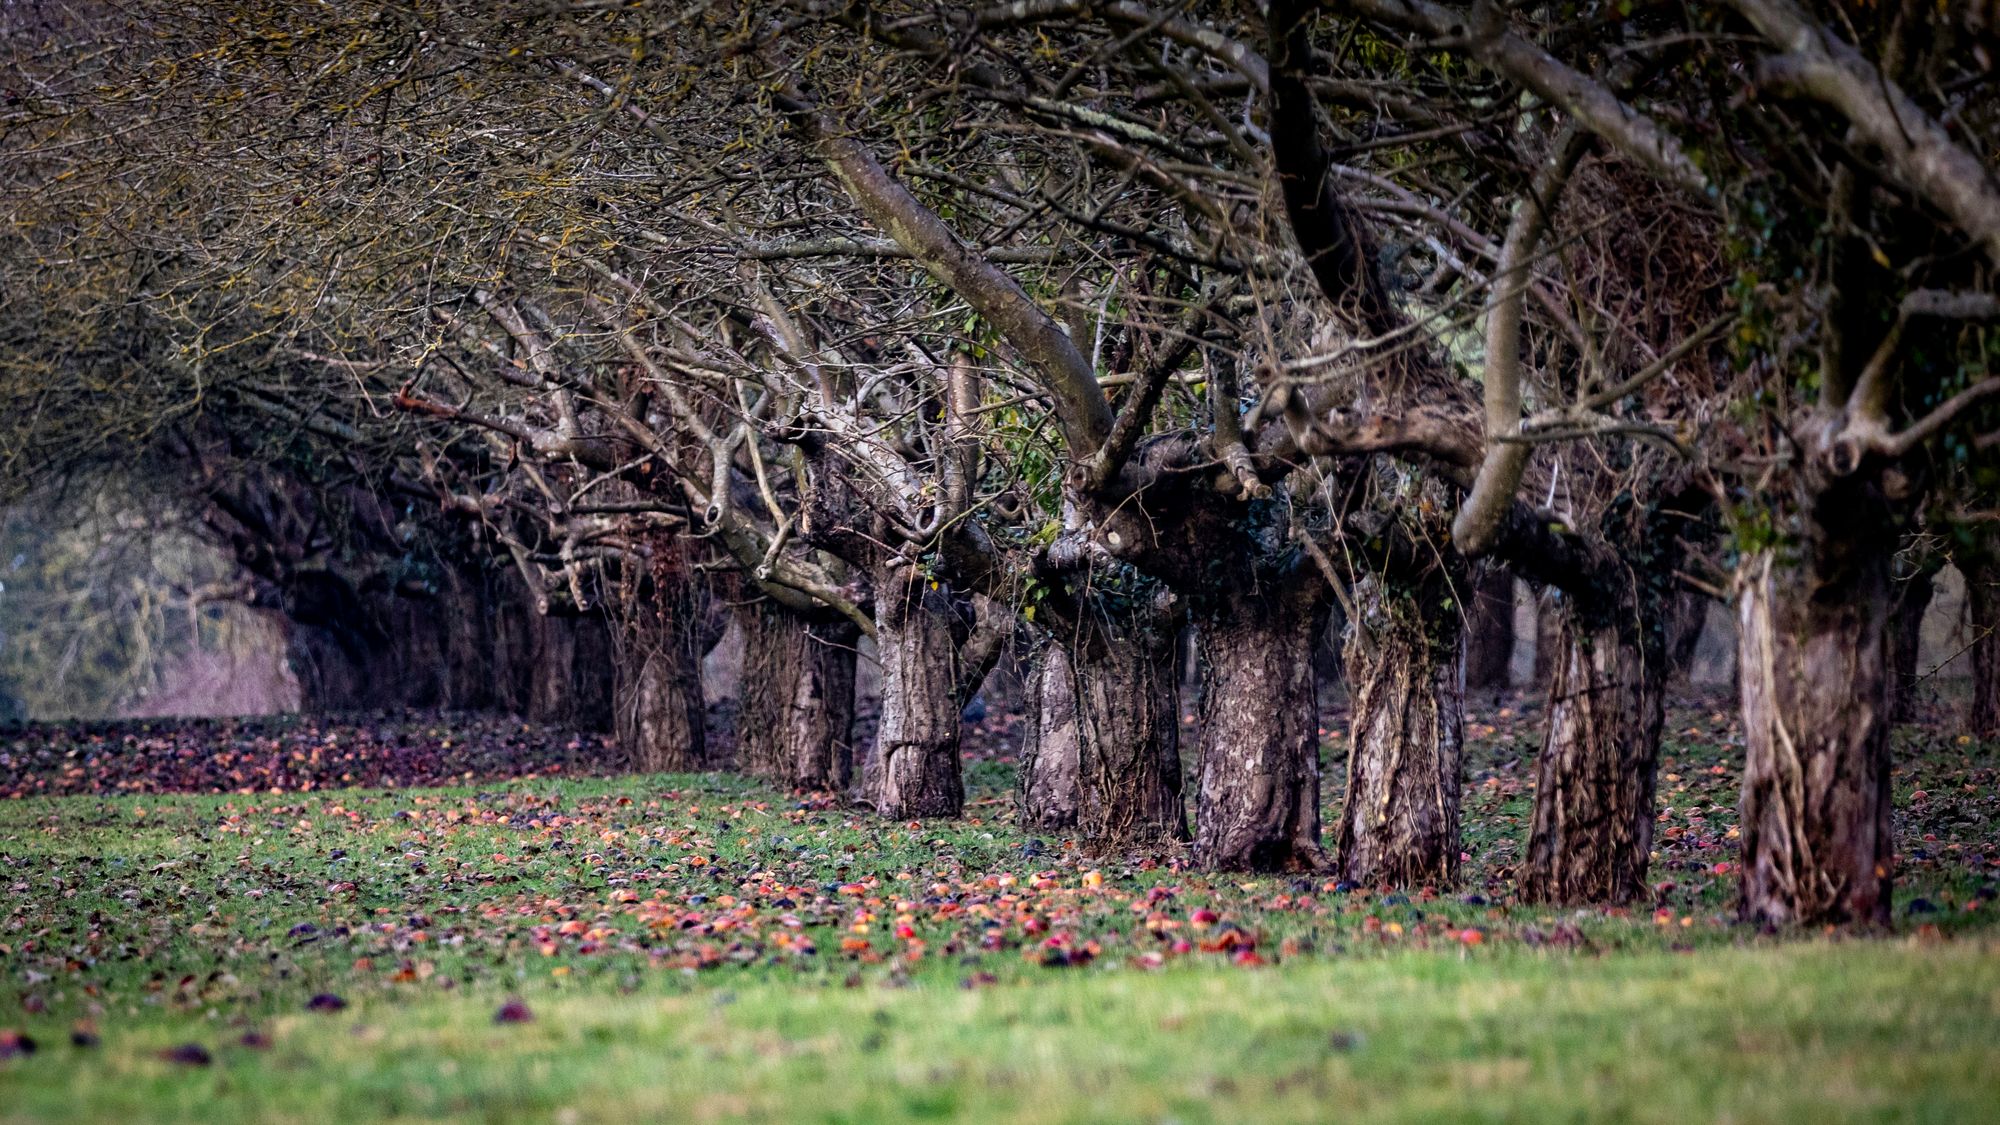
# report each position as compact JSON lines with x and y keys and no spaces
{"x":1592,"y":103}
{"x":1335,"y":245}
{"x":1479,"y":515}
{"x":1137,"y":412}
{"x":1080,"y":404}
{"x":1822,"y":66}
{"x":1931,"y":424}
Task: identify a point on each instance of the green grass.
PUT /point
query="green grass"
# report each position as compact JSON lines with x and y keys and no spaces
{"x":657,"y":928}
{"x":1811,"y":1032}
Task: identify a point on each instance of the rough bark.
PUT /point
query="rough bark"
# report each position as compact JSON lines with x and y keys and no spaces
{"x":594,"y":673}
{"x":825,"y":740}
{"x":415,"y":656}
{"x":1489,"y":630}
{"x":918,"y":773}
{"x":470,"y":648}
{"x":1619,"y":626}
{"x":1687,"y":616}
{"x":1102,"y":752}
{"x":514,"y":635}
{"x":660,"y":717}
{"x":1982,"y":600}
{"x":774,"y":659}
{"x":797,"y":699}
{"x":1548,"y":639}
{"x":1051,"y":779}
{"x":1399,"y":825}
{"x":1906,"y":632}
{"x":1593,"y":823}
{"x":1813,"y":669}
{"x":572,"y":671}
{"x":1329,"y":678}
{"x":551,"y":685}
{"x":1258,"y":805}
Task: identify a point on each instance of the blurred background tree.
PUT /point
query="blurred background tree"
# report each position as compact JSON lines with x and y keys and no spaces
{"x":113,"y":603}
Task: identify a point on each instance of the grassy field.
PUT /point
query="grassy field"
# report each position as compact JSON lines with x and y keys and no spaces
{"x":578,"y":948}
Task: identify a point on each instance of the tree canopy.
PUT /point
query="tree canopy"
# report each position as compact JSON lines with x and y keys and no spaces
{"x":1085,"y":320}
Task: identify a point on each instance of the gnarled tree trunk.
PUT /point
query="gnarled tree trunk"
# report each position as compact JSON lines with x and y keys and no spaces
{"x":594,"y":672}
{"x":470,"y":646}
{"x":1982,"y":601}
{"x":1687,"y":616}
{"x":917,"y":771}
{"x":660,"y":717}
{"x":1258,"y":804}
{"x":1051,"y":778}
{"x":1489,"y":630}
{"x":1813,"y":667}
{"x":551,"y":669}
{"x":1906,"y":634}
{"x":797,"y":698}
{"x":516,"y":629}
{"x":1548,"y":639}
{"x":1399,"y":825}
{"x":1102,"y":753}
{"x":414,"y":668}
{"x":822,"y":727}
{"x":1593,"y":824}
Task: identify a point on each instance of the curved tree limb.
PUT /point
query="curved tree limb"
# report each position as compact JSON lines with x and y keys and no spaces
{"x":1080,"y":404}
{"x":1479,"y":515}
{"x":1483,"y":34}
{"x":1826,"y":68}
{"x":1335,"y":245}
